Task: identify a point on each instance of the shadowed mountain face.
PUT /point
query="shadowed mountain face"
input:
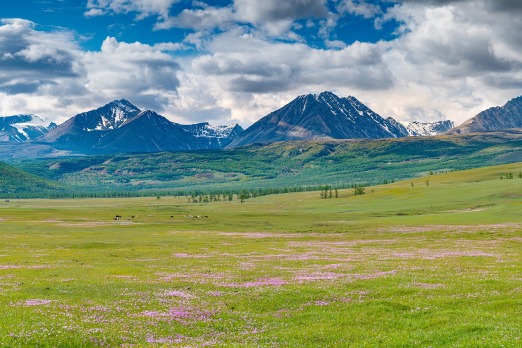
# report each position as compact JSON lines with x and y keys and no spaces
{"x":120,"y":127}
{"x":148,"y":132}
{"x":20,"y":128}
{"x":323,"y":116}
{"x":496,"y":118}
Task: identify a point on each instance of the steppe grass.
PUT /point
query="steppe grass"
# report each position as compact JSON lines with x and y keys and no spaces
{"x":436,"y":261}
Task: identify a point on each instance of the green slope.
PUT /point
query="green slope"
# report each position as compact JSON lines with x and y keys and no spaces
{"x":287,"y":164}
{"x":475,"y":196}
{"x":17,"y":183}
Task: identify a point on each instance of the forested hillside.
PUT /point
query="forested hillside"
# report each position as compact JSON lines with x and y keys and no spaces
{"x":15,"y":182}
{"x":280,"y":165}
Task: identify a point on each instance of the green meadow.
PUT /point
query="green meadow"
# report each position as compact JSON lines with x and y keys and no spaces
{"x":430,"y":262}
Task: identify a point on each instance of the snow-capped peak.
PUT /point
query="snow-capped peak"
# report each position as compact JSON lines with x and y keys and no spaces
{"x":416,"y":128}
{"x":205,"y":130}
{"x":19,"y":128}
{"x":108,"y":117}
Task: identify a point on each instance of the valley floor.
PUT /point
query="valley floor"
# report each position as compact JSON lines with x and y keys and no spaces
{"x":436,"y":261}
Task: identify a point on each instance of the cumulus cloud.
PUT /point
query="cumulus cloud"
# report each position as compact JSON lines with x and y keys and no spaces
{"x":30,"y":58}
{"x":277,"y":16}
{"x":199,"y":19}
{"x":138,"y":70}
{"x":500,"y":5}
{"x":447,"y":55}
{"x":143,"y":8}
{"x":38,"y":66}
{"x":360,"y":8}
{"x":251,"y":68}
{"x":450,"y":58}
{"x":273,"y":17}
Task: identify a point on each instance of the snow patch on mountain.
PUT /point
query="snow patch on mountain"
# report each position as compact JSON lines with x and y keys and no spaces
{"x":20,"y":128}
{"x":421,"y":129}
{"x":215,"y":136}
{"x":110,"y":116}
{"x":206,"y":130}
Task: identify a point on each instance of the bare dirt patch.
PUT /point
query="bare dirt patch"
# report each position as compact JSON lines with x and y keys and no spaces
{"x":256,"y":235}
{"x":94,"y":223}
{"x":467,"y":210}
{"x":450,"y":228}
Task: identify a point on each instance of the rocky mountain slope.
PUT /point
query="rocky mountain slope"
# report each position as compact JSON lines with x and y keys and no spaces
{"x":320,"y":116}
{"x":148,"y":132}
{"x":82,"y":131}
{"x":120,"y":127}
{"x":495,"y":118}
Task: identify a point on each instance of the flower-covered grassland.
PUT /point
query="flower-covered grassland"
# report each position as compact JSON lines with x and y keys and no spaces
{"x":287,"y":270}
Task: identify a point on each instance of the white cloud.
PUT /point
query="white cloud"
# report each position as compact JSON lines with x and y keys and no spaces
{"x":143,"y":8}
{"x":94,"y":12}
{"x":277,"y":17}
{"x":452,"y":58}
{"x":447,"y":55}
{"x":246,"y":69}
{"x":30,"y":59}
{"x":46,"y":73}
{"x":141,"y":71}
{"x":360,"y":8}
{"x":200,"y":19}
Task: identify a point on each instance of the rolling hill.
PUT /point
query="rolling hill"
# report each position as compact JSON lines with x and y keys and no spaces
{"x":15,"y":182}
{"x":280,"y":165}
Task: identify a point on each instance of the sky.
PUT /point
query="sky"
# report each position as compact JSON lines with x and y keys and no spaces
{"x":235,"y":61}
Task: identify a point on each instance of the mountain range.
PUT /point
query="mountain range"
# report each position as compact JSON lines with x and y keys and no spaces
{"x":423,"y":129}
{"x":20,"y":128}
{"x":120,"y":127}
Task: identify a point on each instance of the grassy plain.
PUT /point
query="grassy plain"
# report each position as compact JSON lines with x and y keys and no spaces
{"x":434,"y":261}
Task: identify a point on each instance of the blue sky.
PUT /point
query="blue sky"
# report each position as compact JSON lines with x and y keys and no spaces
{"x":125,"y":25}
{"x":232,"y":61}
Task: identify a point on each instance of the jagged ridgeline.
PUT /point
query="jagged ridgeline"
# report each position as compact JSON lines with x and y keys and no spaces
{"x":120,"y":127}
{"x":142,"y":152}
{"x":20,"y":128}
{"x":495,"y":118}
{"x":328,"y":116}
